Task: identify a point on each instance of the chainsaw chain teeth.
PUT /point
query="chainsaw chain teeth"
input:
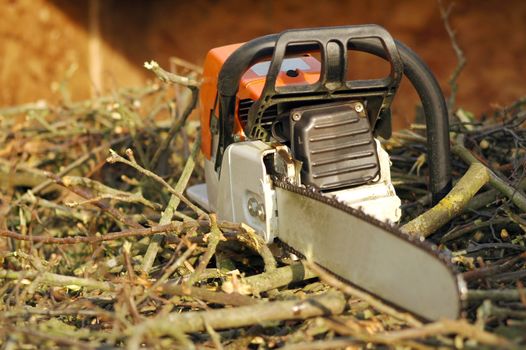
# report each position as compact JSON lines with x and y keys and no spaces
{"x":315,"y":194}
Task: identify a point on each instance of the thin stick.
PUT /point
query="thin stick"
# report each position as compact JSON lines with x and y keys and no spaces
{"x":213,"y":240}
{"x":45,"y":184}
{"x":211,"y":296}
{"x":176,"y":127}
{"x":53,"y":279}
{"x":105,"y":192}
{"x":115,"y":158}
{"x":250,"y":238}
{"x":169,"y":271}
{"x":494,"y":294}
{"x":175,"y":226}
{"x":461,"y":59}
{"x":445,"y":327}
{"x":278,"y":278}
{"x":337,"y":343}
{"x":492,"y":270}
{"x":39,"y":338}
{"x":168,"y":77}
{"x":85,"y":193}
{"x":459,"y":231}
{"x":515,"y":195}
{"x":171,"y":208}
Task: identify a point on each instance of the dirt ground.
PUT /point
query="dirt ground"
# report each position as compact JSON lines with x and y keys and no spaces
{"x":46,"y":45}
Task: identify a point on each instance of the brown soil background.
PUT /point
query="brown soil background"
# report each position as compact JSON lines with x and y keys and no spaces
{"x":40,"y":41}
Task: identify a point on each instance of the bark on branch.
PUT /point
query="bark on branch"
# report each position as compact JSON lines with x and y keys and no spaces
{"x":330,"y":303}
{"x":514,"y":194}
{"x":451,"y":205}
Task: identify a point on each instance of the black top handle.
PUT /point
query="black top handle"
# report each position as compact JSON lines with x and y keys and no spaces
{"x":332,"y":42}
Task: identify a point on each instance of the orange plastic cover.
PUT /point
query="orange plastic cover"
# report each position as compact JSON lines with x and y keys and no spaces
{"x":298,"y":70}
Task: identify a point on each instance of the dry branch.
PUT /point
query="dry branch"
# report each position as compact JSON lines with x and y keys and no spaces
{"x":494,"y":294}
{"x":168,"y":77}
{"x":88,"y":195}
{"x":115,"y":158}
{"x":278,"y":278}
{"x":255,"y":242}
{"x":211,"y":296}
{"x":53,"y":279}
{"x":451,"y":205}
{"x":461,"y":59}
{"x":514,"y":194}
{"x":446,"y":327}
{"x":213,"y":239}
{"x":174,"y":226}
{"x":171,"y":208}
{"x":331,"y":303}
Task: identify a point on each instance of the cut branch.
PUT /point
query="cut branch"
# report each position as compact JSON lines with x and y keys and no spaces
{"x":451,"y":205}
{"x":278,"y":278}
{"x":330,"y":303}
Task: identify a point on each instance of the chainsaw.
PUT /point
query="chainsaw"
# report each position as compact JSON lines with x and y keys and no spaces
{"x":292,"y":149}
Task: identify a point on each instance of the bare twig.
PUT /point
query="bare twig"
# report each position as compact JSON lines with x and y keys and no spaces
{"x":214,"y":237}
{"x":85,"y":193}
{"x":53,"y":279}
{"x":171,"y":208}
{"x":460,"y":231}
{"x":114,"y":158}
{"x":211,"y":296}
{"x":515,"y":195}
{"x":168,"y":77}
{"x":169,"y":271}
{"x":492,"y":270}
{"x":176,"y":127}
{"x":105,"y":192}
{"x":444,"y":327}
{"x":494,"y":294}
{"x":175,"y":226}
{"x":461,"y":59}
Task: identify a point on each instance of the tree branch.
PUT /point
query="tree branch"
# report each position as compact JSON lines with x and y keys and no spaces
{"x":451,"y":205}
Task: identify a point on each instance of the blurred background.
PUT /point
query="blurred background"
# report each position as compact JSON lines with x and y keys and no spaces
{"x":93,"y":47}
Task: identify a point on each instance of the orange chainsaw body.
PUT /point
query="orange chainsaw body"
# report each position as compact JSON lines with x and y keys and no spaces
{"x":301,"y":70}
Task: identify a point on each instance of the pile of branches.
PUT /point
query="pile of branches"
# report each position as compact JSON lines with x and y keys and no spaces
{"x":100,"y":248}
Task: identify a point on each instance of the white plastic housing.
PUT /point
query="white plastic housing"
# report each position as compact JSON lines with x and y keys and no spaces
{"x":243,"y":192}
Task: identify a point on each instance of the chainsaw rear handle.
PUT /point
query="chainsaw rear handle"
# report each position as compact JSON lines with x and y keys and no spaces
{"x":357,"y":38}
